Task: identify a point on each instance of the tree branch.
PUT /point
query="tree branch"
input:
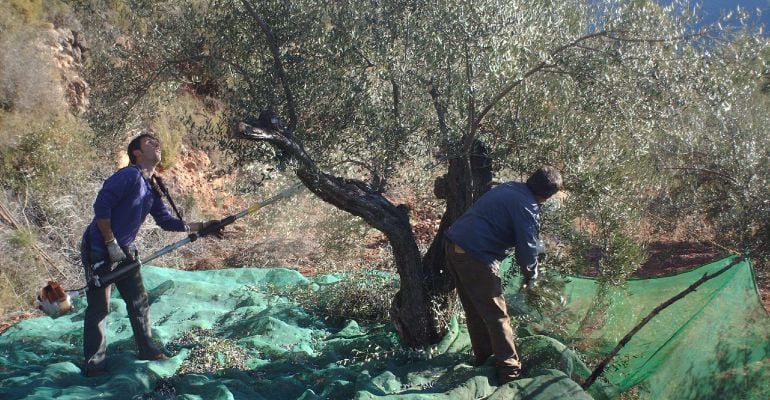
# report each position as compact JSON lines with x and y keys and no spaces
{"x":440,"y":110}
{"x":540,"y":65}
{"x":471,"y":94}
{"x":613,"y":35}
{"x":272,"y":43}
{"x":410,"y":309}
{"x":396,"y":101}
{"x":704,"y":170}
{"x":354,"y":196}
{"x":233,"y":65}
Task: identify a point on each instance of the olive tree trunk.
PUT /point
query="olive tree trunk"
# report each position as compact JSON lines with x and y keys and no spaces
{"x":426,"y":296}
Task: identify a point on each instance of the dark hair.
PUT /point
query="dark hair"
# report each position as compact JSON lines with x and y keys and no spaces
{"x":545,"y":182}
{"x":136,"y":144}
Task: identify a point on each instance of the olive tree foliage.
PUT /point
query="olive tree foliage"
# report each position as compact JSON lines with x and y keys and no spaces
{"x":364,"y":87}
{"x":717,"y":159}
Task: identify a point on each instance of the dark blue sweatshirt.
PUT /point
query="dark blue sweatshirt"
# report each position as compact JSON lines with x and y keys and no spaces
{"x":126,"y":198}
{"x":506,"y":216}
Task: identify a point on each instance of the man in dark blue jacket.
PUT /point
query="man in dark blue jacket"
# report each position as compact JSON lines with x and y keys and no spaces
{"x":120,"y":208}
{"x":506,"y":216}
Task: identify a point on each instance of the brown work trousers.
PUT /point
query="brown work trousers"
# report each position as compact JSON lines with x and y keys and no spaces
{"x":481,"y":294}
{"x":132,"y":290}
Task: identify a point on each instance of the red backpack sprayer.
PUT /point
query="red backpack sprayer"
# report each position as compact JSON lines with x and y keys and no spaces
{"x":55,"y":301}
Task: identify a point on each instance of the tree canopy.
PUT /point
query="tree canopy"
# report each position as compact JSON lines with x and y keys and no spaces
{"x":641,"y":109}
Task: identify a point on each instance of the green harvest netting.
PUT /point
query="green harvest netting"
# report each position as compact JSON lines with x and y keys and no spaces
{"x":712,"y":344}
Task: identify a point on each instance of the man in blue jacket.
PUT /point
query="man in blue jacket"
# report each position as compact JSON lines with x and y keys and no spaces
{"x":506,"y":216}
{"x":120,"y":209}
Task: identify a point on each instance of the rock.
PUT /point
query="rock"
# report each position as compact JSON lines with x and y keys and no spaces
{"x":68,"y":53}
{"x":66,"y":39}
{"x":80,"y":42}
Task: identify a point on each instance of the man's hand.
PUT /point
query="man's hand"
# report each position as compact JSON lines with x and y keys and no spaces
{"x":114,"y":251}
{"x":529,"y":282}
{"x":200,"y":227}
{"x":529,"y":275}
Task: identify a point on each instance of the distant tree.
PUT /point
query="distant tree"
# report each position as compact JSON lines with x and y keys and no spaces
{"x":717,"y":163}
{"x":593,"y":87}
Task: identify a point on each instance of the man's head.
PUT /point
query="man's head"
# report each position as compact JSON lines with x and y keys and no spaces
{"x":144,"y":149}
{"x":544,"y":182}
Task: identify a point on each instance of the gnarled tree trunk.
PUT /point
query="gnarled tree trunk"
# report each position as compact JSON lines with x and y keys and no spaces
{"x":426,"y":295}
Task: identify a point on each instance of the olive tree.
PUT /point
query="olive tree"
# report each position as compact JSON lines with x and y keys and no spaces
{"x":716,"y":159}
{"x":589,"y":86}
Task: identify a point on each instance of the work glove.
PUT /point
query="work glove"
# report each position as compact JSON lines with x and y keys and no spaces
{"x":114,"y":251}
{"x":531,"y":272}
{"x":540,"y":247}
{"x":529,"y":275}
{"x":529,"y":281}
{"x":205,"y":228}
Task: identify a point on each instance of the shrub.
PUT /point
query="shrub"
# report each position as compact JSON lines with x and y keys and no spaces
{"x":361,"y":295}
{"x":176,"y":122}
{"x":43,"y":154}
{"x":28,"y":79}
{"x":26,"y":10}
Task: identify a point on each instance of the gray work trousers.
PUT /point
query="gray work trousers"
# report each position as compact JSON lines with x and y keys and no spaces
{"x":481,"y":294}
{"x":132,"y":291}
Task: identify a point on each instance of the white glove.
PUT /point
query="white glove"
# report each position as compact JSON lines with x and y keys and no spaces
{"x":115,"y":252}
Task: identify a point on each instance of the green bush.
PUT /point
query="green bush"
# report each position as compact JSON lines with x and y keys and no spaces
{"x":43,"y":154}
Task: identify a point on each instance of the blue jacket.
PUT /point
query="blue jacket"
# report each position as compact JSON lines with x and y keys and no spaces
{"x":506,"y":216}
{"x":126,"y":198}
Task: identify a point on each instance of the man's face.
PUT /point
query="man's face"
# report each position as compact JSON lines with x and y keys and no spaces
{"x":149,"y":151}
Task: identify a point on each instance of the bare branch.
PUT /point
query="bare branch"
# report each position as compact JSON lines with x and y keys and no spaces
{"x":272,"y":43}
{"x":7,"y":217}
{"x":706,"y":171}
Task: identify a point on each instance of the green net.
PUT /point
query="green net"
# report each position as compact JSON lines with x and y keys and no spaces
{"x":712,"y":344}
{"x":234,"y":338}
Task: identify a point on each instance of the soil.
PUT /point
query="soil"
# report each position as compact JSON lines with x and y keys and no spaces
{"x":671,"y":258}
{"x":675,"y":257}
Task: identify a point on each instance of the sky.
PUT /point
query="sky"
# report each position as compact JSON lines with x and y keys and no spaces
{"x":712,"y":9}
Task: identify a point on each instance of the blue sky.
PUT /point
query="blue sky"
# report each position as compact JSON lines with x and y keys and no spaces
{"x":712,"y":8}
